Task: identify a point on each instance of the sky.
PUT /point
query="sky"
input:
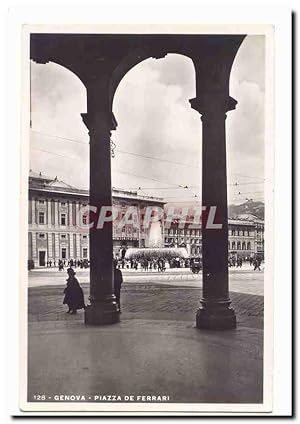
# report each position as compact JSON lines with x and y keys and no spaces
{"x":158,"y":138}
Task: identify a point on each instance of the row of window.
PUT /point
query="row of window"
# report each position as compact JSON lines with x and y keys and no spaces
{"x":63,"y":218}
{"x":192,"y":241}
{"x":42,"y":202}
{"x":64,"y":253}
{"x":174,"y":232}
{"x":239,"y":245}
{"x":240,"y":232}
{"x":62,"y":236}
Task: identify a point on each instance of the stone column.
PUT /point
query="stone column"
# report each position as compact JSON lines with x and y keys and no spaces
{"x":50,"y":247}
{"x":78,"y":252}
{"x":215,"y":312}
{"x":71,"y":247}
{"x":76,"y":213}
{"x":56,"y":217}
{"x":34,"y":251}
{"x":103,"y":308}
{"x":56,"y":248}
{"x":49,"y":212}
{"x":33,"y":212}
{"x":69,"y":213}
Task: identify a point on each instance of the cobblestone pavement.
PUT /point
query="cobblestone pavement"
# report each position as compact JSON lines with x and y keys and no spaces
{"x":149,"y":300}
{"x":241,"y":281}
{"x":155,"y":349}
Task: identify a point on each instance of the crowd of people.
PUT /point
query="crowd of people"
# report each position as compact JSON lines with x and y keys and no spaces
{"x":62,"y":263}
{"x":161,"y":264}
{"x":152,"y":264}
{"x":236,"y":261}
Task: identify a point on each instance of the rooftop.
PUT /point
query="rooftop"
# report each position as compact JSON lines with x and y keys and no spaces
{"x":41,"y":182}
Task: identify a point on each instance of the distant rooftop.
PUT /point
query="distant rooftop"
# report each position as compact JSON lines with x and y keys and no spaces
{"x":38,"y":175}
{"x":41,"y":182}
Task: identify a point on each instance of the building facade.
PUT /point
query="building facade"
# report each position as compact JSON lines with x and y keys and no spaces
{"x":54,"y":233}
{"x":53,"y":230}
{"x":245,"y":238}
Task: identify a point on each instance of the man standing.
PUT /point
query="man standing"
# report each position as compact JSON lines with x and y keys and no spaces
{"x":118,"y":280}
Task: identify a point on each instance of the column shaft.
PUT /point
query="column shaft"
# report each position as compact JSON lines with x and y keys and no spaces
{"x":33,"y":212}
{"x":103,"y":308}
{"x":71,"y":246}
{"x":214,"y":193}
{"x":215,"y":312}
{"x":101,"y":240}
{"x":56,"y":217}
{"x":49,"y":213}
{"x":78,"y":253}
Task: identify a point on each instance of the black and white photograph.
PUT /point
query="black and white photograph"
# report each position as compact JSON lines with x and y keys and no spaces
{"x":149,"y":209}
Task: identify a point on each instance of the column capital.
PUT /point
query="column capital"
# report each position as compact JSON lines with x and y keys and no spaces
{"x":97,"y":124}
{"x":213,"y":104}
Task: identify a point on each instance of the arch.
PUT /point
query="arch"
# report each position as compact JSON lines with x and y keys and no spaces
{"x":131,"y":60}
{"x":238,"y":246}
{"x":248,"y":245}
{"x":69,"y":67}
{"x":244,"y":245}
{"x":65,"y":81}
{"x":235,"y":59}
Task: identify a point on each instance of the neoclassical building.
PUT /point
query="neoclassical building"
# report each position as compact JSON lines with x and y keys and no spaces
{"x":245,"y":237}
{"x":53,"y":230}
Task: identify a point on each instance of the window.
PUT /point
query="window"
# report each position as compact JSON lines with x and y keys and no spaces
{"x":238,"y":245}
{"x":63,"y":219}
{"x":243,"y":246}
{"x":63,"y":253}
{"x":63,"y":203}
{"x":63,"y":236}
{"x":248,"y":245}
{"x":84,"y":253}
{"x":41,"y":218}
{"x":233,"y":245}
{"x":233,"y":232}
{"x":84,"y":236}
{"x":84,"y":219}
{"x":41,"y":201}
{"x":42,"y":235}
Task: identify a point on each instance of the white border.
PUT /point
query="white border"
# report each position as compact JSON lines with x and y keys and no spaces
{"x":268,"y":341}
{"x":280,"y":18}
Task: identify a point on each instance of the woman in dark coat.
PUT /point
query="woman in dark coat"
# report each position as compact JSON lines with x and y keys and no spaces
{"x":73,"y":293}
{"x":118,"y":280}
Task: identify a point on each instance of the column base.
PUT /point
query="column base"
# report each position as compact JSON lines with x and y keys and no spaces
{"x":215,"y":316}
{"x":101,"y":314}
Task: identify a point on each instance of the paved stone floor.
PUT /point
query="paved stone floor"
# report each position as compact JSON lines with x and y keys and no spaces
{"x":154,"y":350}
{"x":153,"y":296}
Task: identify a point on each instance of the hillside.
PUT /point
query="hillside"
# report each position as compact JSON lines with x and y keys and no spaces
{"x":250,"y":207}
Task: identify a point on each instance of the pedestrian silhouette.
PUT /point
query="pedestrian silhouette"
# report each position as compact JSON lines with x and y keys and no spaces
{"x":118,"y":280}
{"x":73,"y":293}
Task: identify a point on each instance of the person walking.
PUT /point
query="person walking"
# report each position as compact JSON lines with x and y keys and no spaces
{"x":118,"y":280}
{"x":74,"y":297}
{"x":257,"y":263}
